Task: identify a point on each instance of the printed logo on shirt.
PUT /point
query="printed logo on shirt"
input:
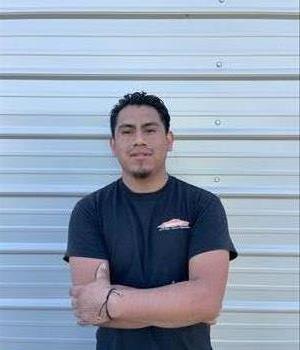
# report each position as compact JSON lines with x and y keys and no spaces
{"x":173,"y":225}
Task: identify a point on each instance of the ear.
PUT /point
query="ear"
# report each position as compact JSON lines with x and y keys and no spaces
{"x":170,"y":140}
{"x":112,"y":145}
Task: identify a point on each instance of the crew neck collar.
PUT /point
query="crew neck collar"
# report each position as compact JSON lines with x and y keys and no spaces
{"x":146,"y":195}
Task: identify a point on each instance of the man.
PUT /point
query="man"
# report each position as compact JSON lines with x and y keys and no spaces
{"x":149,"y":253}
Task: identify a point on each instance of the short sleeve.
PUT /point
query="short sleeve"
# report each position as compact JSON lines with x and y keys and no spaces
{"x":85,"y":238}
{"x":210,"y":231}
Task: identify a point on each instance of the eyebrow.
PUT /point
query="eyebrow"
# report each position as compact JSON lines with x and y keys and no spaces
{"x":132,"y":126}
{"x":123,"y":126}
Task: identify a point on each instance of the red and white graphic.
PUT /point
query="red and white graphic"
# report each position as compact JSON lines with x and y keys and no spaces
{"x":174,"y":224}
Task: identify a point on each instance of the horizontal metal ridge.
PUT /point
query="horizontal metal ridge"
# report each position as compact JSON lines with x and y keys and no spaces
{"x":70,"y":323}
{"x":189,"y":96}
{"x":165,"y":8}
{"x":59,"y":229}
{"x":68,"y":342}
{"x":66,"y":285}
{"x":32,"y":248}
{"x":63,"y":341}
{"x":173,"y":154}
{"x":59,"y":248}
{"x":117,"y":171}
{"x":79,"y":191}
{"x":88,"y":11}
{"x":35,"y":304}
{"x":32,"y":228}
{"x":283,"y":74}
{"x":261,"y":306}
{"x":280,"y":250}
{"x":229,"y":306}
{"x":230,"y":212}
{"x":181,"y":134}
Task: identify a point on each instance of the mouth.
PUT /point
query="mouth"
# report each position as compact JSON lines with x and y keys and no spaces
{"x":140,"y":155}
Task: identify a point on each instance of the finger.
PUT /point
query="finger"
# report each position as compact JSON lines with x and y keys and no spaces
{"x":74,"y":303}
{"x":86,"y":317}
{"x":212,"y":322}
{"x":75,"y":291}
{"x":103,"y":271}
{"x":83,"y":323}
{"x":77,"y":313}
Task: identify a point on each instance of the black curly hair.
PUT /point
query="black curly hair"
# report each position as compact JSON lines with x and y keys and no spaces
{"x":140,"y":98}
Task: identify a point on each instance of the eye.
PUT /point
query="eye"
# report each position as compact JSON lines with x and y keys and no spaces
{"x":150,"y":131}
{"x":126,"y":132}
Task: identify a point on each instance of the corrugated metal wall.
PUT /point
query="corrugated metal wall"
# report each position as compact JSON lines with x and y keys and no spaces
{"x":228,"y":73}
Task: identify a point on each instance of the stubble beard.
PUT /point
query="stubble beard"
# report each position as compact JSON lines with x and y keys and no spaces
{"x":141,"y":174}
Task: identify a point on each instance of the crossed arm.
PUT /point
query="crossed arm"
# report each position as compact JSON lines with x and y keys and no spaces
{"x":176,"y":305}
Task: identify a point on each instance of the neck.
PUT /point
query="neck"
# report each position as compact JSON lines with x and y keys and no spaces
{"x":147,"y":185}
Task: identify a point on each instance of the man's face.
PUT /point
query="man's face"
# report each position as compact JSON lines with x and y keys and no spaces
{"x":140,"y":142}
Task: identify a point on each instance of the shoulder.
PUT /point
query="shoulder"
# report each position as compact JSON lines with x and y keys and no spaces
{"x":196,"y":193}
{"x":199,"y":199}
{"x":93,"y":200}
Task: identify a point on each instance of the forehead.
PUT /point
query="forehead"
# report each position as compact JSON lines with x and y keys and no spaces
{"x":138,"y":115}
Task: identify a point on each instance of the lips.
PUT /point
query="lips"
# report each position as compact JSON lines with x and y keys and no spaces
{"x":140,"y":153}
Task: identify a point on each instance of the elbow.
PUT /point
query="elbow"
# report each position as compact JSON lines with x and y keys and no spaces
{"x":211,"y":313}
{"x":208,"y":308}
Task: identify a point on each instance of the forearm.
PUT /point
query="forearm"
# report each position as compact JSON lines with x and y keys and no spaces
{"x":124,"y":324}
{"x":175,"y":305}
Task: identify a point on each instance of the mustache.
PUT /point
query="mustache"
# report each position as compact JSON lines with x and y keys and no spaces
{"x":139,"y":149}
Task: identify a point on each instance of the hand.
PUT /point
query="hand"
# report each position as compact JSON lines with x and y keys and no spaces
{"x":87,"y":299}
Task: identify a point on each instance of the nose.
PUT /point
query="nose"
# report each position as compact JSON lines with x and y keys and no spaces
{"x":139,"y":140}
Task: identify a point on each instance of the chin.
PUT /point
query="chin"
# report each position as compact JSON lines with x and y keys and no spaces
{"x":141,"y":174}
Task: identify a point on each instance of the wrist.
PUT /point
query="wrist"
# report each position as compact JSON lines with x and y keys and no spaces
{"x":114,"y":304}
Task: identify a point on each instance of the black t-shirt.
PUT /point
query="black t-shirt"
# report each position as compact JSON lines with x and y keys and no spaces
{"x":148,"y":240}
